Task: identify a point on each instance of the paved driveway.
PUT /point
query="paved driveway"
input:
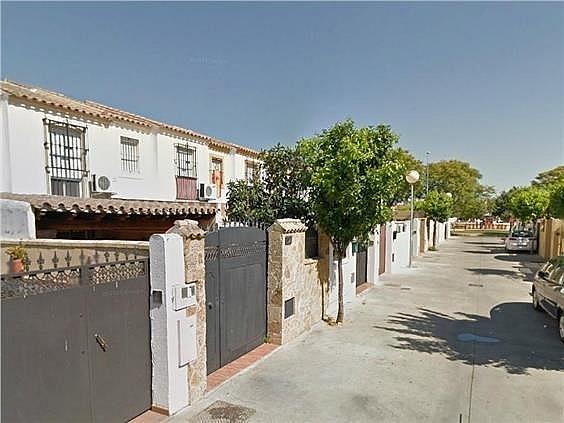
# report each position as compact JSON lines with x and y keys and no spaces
{"x":454,"y":340}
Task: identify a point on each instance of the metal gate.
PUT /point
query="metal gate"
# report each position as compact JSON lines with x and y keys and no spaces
{"x":361,"y":263}
{"x":76,"y":343}
{"x":382,"y":258}
{"x":235,"y":293}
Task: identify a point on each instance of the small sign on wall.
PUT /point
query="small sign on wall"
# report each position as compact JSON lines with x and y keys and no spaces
{"x":289,"y":307}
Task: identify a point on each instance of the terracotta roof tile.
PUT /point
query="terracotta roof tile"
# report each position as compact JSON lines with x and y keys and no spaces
{"x":56,"y":203}
{"x":108,"y":113}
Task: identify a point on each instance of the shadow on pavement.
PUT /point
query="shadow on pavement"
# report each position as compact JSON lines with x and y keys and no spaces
{"x":521,"y":273}
{"x":521,"y":258}
{"x":490,"y":250}
{"x":513,"y":337}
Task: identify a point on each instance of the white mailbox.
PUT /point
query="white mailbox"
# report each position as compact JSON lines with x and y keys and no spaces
{"x":184,"y":296}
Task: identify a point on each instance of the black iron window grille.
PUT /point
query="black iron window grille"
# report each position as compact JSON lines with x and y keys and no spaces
{"x":185,"y":161}
{"x":129,"y":155}
{"x":67,"y":157}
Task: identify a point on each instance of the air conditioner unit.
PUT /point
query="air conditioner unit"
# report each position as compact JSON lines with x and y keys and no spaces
{"x":101,"y":183}
{"x":207,"y":192}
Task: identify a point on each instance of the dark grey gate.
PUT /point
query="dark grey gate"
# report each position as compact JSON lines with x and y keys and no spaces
{"x":361,"y":265}
{"x":235,"y":293}
{"x":75,"y":344}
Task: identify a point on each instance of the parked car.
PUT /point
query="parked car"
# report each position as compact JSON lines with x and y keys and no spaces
{"x":548,"y":291}
{"x":520,"y":240}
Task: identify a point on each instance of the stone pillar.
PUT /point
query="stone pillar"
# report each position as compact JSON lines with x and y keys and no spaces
{"x":194,"y":238}
{"x":17,"y":220}
{"x":294,"y":287}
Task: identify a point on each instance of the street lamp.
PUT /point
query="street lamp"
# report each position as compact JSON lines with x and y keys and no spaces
{"x":427,"y":154}
{"x":412,"y":177}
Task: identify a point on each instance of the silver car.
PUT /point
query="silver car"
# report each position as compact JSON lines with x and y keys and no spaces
{"x":520,"y":240}
{"x":548,"y":291}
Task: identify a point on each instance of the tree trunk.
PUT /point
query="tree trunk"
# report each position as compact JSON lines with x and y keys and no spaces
{"x":341,"y":311}
{"x":434,"y":234}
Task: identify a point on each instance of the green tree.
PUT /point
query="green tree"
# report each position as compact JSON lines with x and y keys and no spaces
{"x":549,"y":177}
{"x":529,"y":203}
{"x":438,"y":207}
{"x":409,"y":162}
{"x":469,"y":196}
{"x":277,"y":191}
{"x":353,"y":174}
{"x":501,"y":207}
{"x":249,"y":201}
{"x":285,"y":183}
{"x":556,"y":203}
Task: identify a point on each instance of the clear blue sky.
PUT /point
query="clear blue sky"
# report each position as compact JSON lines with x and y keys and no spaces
{"x":477,"y":82}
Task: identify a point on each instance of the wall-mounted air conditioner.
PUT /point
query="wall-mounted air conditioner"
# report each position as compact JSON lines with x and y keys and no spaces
{"x":207,"y":192}
{"x":100,"y":183}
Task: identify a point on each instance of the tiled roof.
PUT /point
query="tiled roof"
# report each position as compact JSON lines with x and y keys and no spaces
{"x":100,"y":111}
{"x":288,"y":226}
{"x":56,"y":203}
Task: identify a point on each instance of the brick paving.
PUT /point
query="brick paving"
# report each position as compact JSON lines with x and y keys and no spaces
{"x":221,"y":375}
{"x":149,"y":416}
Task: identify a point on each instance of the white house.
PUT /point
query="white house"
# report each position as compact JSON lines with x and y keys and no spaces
{"x":54,"y":145}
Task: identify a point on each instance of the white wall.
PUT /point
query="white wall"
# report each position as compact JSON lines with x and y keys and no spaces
{"x":373,"y":257}
{"x":400,"y":246}
{"x":23,"y":135}
{"x":349,"y":281}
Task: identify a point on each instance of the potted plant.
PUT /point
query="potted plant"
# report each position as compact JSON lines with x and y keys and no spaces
{"x":17,"y":255}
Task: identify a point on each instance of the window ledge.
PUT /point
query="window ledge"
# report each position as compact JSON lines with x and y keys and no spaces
{"x":131,"y":176}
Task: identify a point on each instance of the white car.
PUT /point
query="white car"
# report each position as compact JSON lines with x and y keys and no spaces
{"x":520,"y":240}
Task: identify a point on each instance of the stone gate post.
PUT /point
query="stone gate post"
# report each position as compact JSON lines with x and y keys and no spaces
{"x":193,"y":238}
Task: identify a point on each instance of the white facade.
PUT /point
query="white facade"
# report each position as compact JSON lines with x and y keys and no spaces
{"x":400,"y":245}
{"x":26,"y":156}
{"x":349,"y":281}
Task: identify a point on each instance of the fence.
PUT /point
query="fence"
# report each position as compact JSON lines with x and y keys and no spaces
{"x":464,"y":226}
{"x":56,"y":253}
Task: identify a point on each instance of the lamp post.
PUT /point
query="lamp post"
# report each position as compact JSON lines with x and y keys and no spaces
{"x":412,"y":177}
{"x":427,"y":154}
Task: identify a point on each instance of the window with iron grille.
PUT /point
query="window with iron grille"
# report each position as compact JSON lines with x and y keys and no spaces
{"x":251,"y":169}
{"x":185,"y":161}
{"x":129,"y":155}
{"x":216,"y":174}
{"x":66,"y":162}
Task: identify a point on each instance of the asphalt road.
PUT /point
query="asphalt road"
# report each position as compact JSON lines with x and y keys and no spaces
{"x":453,"y":340}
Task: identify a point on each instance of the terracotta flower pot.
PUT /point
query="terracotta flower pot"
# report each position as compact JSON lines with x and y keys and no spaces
{"x":16,"y":266}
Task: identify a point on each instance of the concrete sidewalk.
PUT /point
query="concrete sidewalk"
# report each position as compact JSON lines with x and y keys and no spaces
{"x":453,"y":340}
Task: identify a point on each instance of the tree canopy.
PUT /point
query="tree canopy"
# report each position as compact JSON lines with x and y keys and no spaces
{"x":409,"y":162}
{"x":278,"y":191}
{"x":469,"y":196}
{"x":529,"y":203}
{"x":549,"y":177}
{"x":353,"y":176}
{"x":436,"y":206}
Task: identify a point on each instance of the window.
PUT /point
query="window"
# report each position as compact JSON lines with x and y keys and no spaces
{"x":129,"y":155}
{"x":185,"y":161}
{"x":66,"y":160}
{"x":186,"y":183}
{"x":216,"y":175}
{"x":251,"y":169}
